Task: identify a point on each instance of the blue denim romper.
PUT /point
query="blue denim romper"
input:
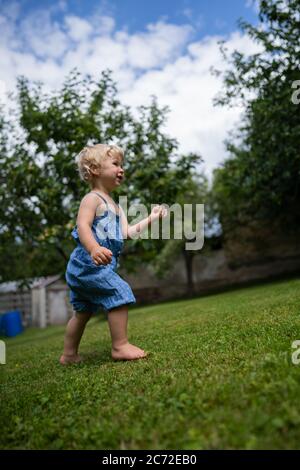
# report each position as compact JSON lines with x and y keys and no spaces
{"x":94,"y":286}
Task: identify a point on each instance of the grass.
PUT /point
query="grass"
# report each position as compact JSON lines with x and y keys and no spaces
{"x":219,"y":376}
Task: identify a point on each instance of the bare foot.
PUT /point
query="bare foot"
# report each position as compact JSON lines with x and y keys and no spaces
{"x":66,"y":360}
{"x":127,"y":352}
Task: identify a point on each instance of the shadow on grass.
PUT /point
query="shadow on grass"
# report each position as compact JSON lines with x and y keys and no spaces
{"x":91,"y":358}
{"x":99,"y":358}
{"x":96,"y":358}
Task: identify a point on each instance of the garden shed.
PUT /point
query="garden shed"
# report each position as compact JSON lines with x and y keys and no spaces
{"x":44,"y":303}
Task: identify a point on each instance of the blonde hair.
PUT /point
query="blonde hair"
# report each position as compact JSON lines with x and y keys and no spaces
{"x":92,"y":156}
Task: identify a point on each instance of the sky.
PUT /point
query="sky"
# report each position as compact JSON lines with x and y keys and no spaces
{"x":160,"y":47}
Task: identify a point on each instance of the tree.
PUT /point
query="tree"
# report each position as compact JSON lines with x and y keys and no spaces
{"x":41,"y":189}
{"x":260,"y":179}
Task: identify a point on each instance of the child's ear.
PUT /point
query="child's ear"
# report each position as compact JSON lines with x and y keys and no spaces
{"x":95,"y":169}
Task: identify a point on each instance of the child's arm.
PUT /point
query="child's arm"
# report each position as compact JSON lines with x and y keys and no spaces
{"x":129,"y":231}
{"x":86,"y":214}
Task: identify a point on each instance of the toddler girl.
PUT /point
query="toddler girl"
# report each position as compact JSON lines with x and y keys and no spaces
{"x":91,"y":271}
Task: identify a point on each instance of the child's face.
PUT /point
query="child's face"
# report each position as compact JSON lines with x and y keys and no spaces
{"x":112,"y":172}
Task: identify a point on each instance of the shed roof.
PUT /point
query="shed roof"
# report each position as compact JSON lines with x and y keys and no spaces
{"x":36,"y":282}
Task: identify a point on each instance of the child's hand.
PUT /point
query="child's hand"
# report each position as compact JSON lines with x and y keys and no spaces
{"x":157,"y":212}
{"x":101,"y":255}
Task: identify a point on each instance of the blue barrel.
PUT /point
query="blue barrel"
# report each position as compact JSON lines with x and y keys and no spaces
{"x":1,"y":324}
{"x":11,"y":323}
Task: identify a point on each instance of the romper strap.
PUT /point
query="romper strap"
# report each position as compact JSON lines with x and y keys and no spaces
{"x":98,"y":194}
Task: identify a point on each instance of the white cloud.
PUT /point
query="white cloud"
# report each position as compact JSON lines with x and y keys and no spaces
{"x":3,"y":91}
{"x":160,"y":44}
{"x":161,"y":61}
{"x":42,"y":36}
{"x":78,"y":29}
{"x":11,"y":10}
{"x":194,"y":18}
{"x":188,"y":88}
{"x":7,"y":32}
{"x":104,"y":25}
{"x":254,"y":4}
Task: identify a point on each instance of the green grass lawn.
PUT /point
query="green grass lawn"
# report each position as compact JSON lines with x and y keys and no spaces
{"x":220,"y":376}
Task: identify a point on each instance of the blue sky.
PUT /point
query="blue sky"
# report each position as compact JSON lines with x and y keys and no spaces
{"x":163,"y":48}
{"x":208,"y":16}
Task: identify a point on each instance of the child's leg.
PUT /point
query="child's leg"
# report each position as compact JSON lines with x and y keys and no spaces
{"x":74,"y":332}
{"x":121,"y":348}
